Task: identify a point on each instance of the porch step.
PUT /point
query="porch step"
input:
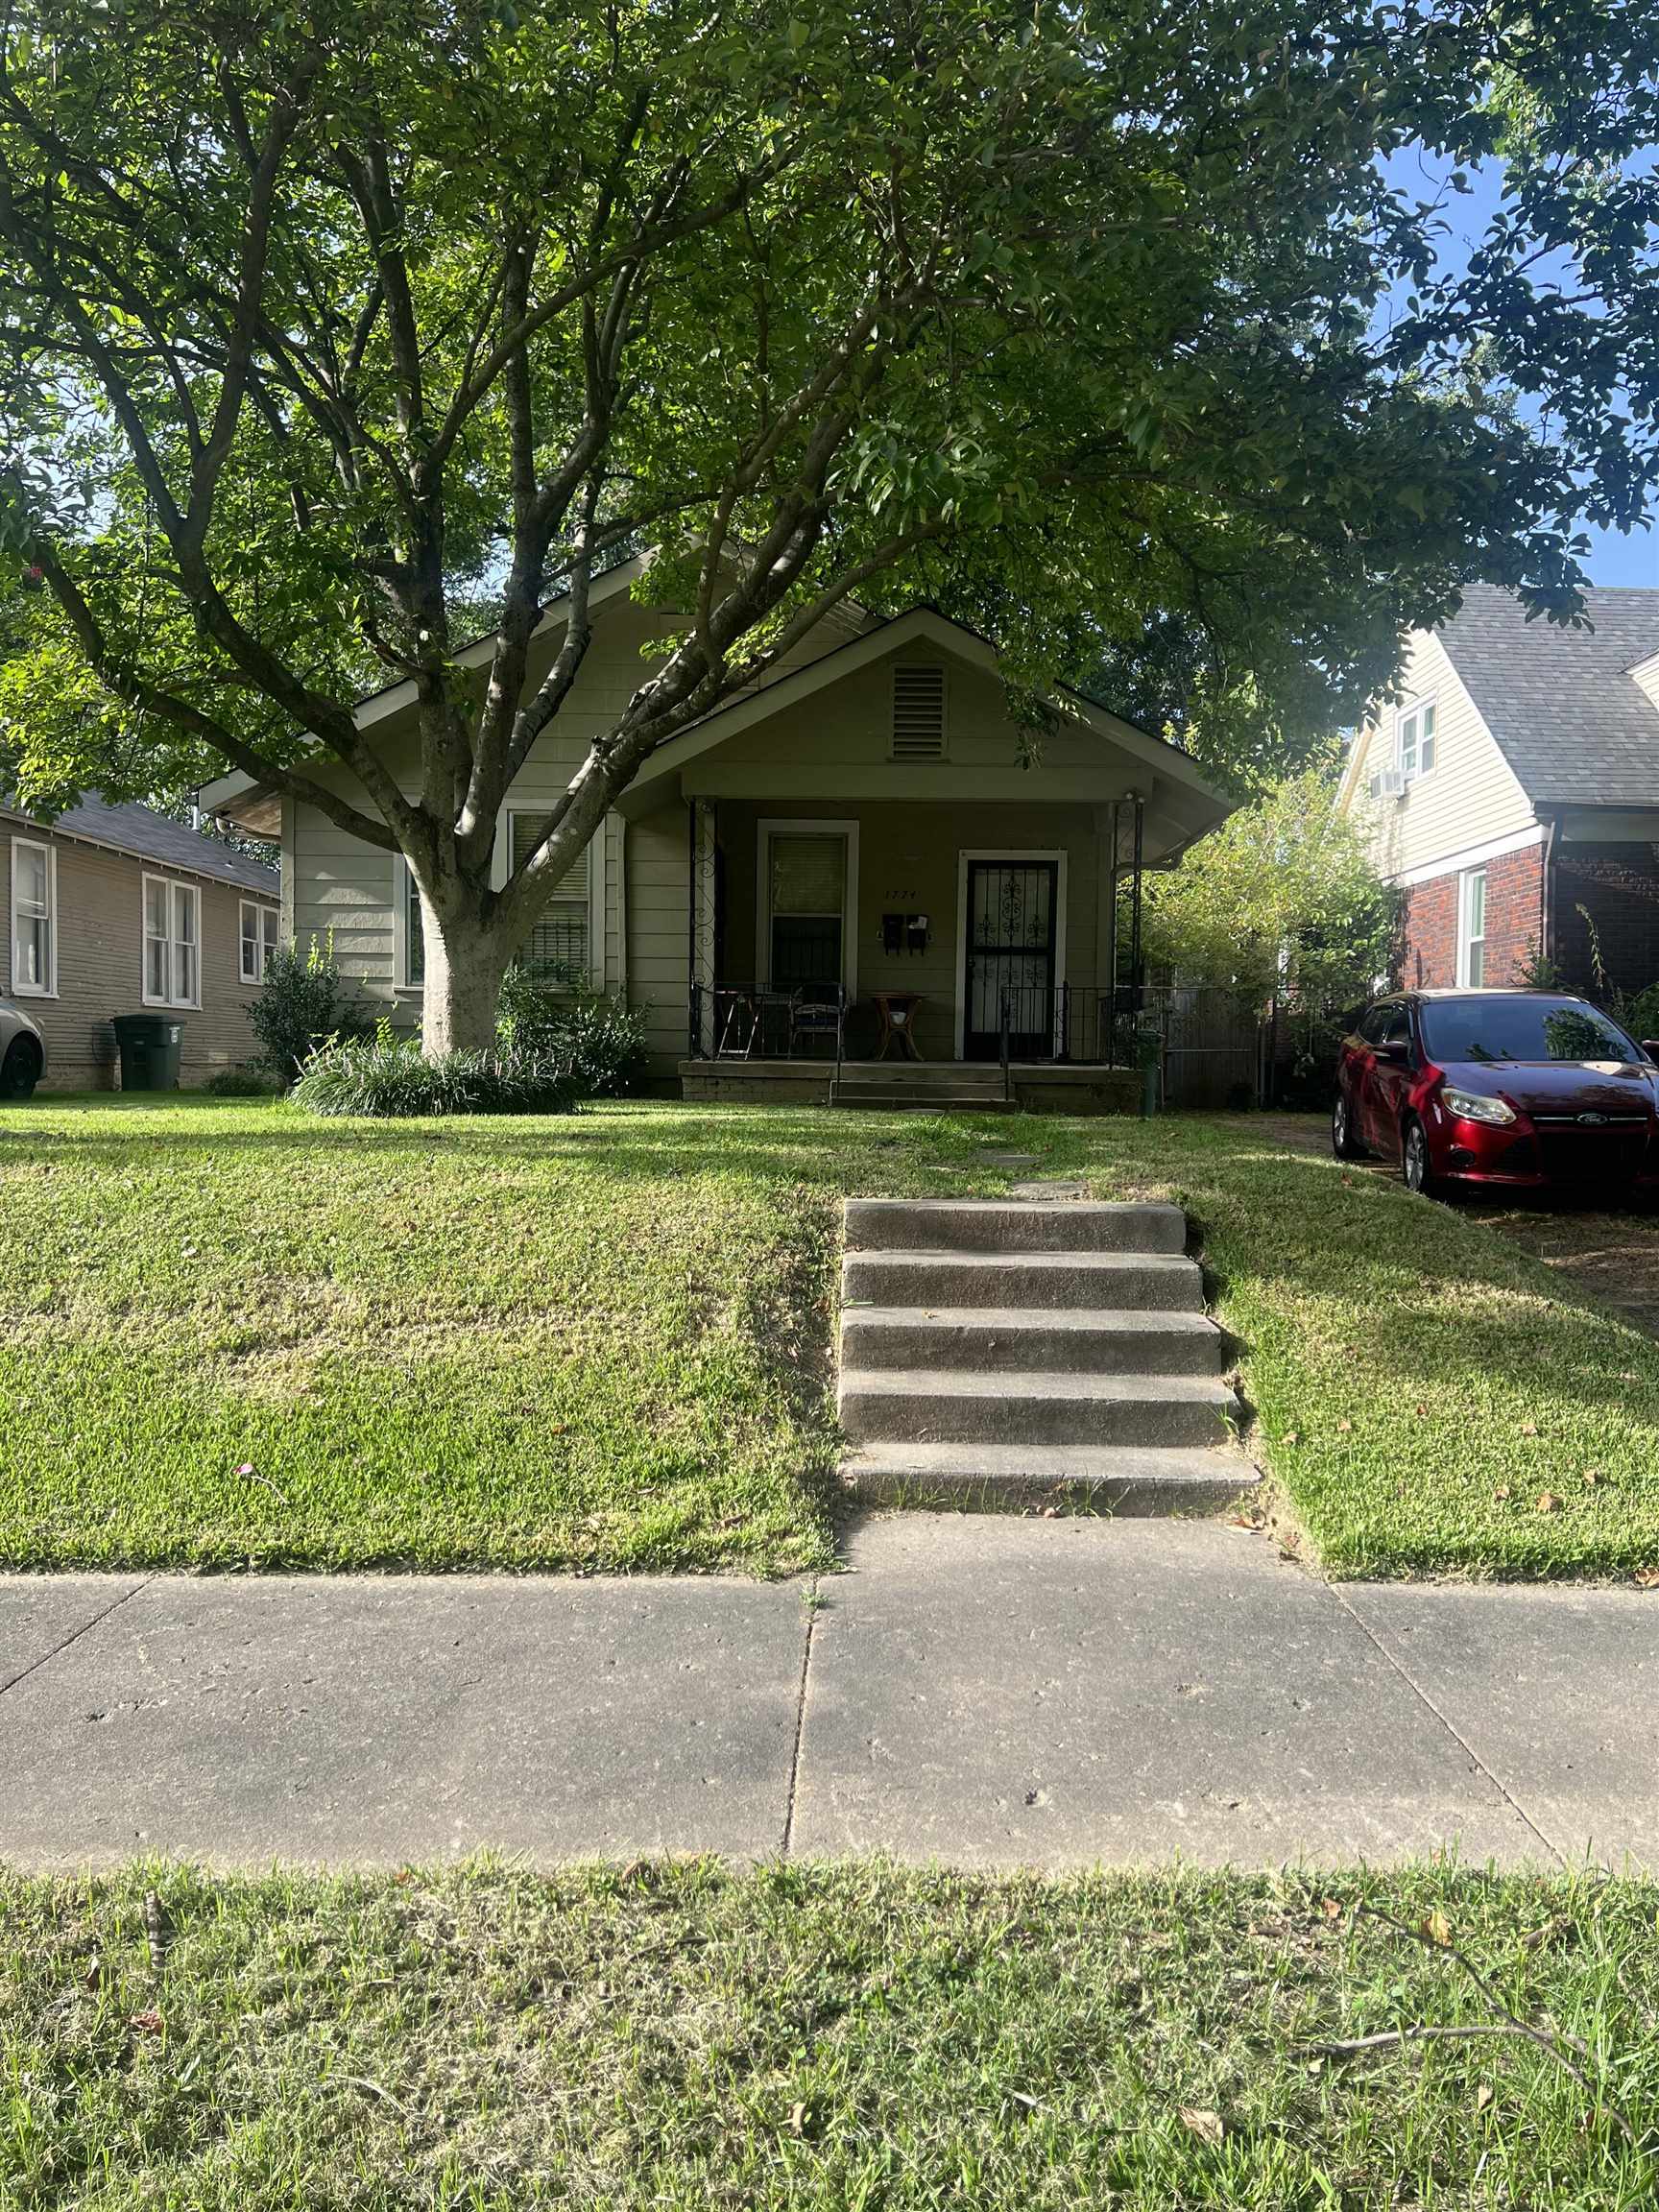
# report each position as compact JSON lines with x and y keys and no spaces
{"x":1131,"y":1479}
{"x":1005,"y":1225}
{"x":1115,"y":1281}
{"x":1007,"y":1340}
{"x":1041,"y":1405}
{"x":992,"y":1349}
{"x":926,"y":1074}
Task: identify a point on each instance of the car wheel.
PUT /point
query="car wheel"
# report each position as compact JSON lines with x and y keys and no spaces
{"x":1343,"y":1141}
{"x":20,"y":1070}
{"x":1415,"y":1163}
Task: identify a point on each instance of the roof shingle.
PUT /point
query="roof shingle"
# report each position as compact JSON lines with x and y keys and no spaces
{"x":136,"y":829}
{"x":1572,"y":722}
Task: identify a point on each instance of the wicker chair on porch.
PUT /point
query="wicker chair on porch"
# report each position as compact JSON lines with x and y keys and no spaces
{"x":815,"y":1011}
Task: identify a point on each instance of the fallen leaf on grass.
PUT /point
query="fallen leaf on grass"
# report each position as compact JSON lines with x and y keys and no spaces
{"x":147,"y":2023}
{"x":1501,"y":1494}
{"x":1483,"y":2095}
{"x":1548,"y":1503}
{"x":1437,"y":1930}
{"x":1648,"y":1578}
{"x":1529,"y":1428}
{"x":1207,"y":2125}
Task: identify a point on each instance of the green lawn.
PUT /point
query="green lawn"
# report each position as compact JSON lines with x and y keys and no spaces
{"x":687,"y":2037}
{"x":229,"y":1334}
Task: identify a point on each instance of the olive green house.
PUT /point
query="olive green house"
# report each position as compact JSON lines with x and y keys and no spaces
{"x":859,"y":867}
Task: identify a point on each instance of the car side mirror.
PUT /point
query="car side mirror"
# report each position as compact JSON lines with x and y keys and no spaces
{"x":1396,"y":1050}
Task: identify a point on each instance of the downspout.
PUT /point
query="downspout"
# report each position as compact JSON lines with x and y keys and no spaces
{"x":1547,"y":892}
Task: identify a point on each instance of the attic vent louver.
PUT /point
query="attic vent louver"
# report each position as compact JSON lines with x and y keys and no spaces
{"x":918,"y":713}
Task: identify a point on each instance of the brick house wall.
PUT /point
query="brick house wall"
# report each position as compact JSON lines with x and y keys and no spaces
{"x":1428,"y":944}
{"x":1619,"y":884}
{"x":100,"y":963}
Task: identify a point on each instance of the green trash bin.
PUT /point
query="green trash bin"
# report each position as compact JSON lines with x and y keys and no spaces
{"x":150,"y":1046}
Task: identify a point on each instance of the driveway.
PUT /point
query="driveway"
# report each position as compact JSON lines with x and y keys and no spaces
{"x":983,"y":1691}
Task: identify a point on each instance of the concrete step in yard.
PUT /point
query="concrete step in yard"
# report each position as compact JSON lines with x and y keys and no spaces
{"x":1115,"y":1281}
{"x":954,"y":1405}
{"x":993,"y":1351}
{"x":1005,"y":1226}
{"x":1011,"y":1337}
{"x":1140,"y":1480}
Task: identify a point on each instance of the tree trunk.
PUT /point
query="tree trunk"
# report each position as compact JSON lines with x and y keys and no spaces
{"x":464,"y":962}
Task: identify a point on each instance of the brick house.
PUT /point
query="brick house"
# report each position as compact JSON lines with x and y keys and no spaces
{"x":1513,"y":793}
{"x":108,"y":910}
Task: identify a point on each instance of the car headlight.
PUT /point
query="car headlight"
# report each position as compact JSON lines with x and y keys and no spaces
{"x":1471,"y":1106}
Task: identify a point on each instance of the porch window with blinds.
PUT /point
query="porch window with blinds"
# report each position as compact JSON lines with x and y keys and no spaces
{"x":808,"y":895}
{"x":560,"y":946}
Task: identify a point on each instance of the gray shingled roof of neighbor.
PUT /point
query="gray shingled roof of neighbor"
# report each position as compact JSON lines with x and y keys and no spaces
{"x":131,"y":828}
{"x":1573,"y":723}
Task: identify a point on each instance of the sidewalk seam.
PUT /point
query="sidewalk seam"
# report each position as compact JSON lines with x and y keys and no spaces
{"x":800,"y":1722}
{"x":1456,"y":1735}
{"x":74,"y":1637}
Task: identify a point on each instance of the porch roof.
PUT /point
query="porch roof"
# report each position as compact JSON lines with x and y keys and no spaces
{"x":1121,"y":762}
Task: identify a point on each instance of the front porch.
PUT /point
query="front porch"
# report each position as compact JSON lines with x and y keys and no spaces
{"x":911,"y":940}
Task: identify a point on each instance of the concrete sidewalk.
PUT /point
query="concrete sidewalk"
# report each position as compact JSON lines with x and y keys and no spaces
{"x":983,"y":1691}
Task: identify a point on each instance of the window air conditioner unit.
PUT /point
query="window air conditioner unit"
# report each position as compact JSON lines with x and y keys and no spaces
{"x":1388,"y":784}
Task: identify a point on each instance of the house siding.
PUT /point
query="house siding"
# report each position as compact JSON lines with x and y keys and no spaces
{"x":1427,"y":949}
{"x":1471,"y":798}
{"x":100,"y":963}
{"x":343,"y":889}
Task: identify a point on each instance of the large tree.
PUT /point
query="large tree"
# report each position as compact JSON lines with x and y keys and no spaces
{"x":322,"y":327}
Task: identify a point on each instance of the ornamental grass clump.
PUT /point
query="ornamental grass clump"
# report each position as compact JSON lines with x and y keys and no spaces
{"x":388,"y":1078}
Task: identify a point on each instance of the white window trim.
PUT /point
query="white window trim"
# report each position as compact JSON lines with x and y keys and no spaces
{"x":596,"y":857}
{"x":1003,"y":853}
{"x":20,"y":989}
{"x":795,"y":826}
{"x":400,"y":885}
{"x":1465,"y":943}
{"x":191,"y":891}
{"x":260,"y":907}
{"x":1413,"y":713}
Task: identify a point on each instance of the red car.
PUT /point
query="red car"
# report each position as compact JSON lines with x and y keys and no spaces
{"x":1497,"y":1090}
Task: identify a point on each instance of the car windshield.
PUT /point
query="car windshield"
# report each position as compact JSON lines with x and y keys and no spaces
{"x":1520,"y":1028}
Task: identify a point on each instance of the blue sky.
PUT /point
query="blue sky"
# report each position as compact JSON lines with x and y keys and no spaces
{"x":1615,"y":557}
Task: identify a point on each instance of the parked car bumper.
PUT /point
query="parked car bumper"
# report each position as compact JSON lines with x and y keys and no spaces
{"x":1535,"y":1156}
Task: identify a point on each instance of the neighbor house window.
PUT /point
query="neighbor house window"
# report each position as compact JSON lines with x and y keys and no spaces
{"x":1414,"y":741}
{"x":258,"y":939}
{"x":33,"y":920}
{"x":559,"y":946}
{"x":1472,"y":928}
{"x":172,"y":943}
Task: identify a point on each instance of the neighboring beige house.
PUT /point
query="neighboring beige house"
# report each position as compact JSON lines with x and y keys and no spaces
{"x":858,"y":829}
{"x":110,"y":910}
{"x":1513,"y":793}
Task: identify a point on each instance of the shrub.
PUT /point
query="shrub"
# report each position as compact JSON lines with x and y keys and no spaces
{"x":303,"y":1003}
{"x":249,"y":1081}
{"x":388,"y":1078}
{"x":601,"y":1040}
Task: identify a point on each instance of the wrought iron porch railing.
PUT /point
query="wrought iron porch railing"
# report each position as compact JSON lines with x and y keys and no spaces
{"x":752,"y":1022}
